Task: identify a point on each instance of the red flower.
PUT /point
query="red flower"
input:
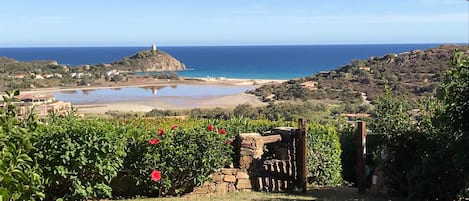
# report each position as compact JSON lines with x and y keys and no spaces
{"x":228,"y":142}
{"x":210,"y":127}
{"x":155,"y":175}
{"x":160,"y":131}
{"x":174,"y":126}
{"x":154,"y":141}
{"x":222,"y":131}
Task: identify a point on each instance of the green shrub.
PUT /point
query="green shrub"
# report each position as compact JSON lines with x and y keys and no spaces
{"x":348,"y":156}
{"x":80,"y":157}
{"x":445,"y":168}
{"x":19,"y":173}
{"x":324,"y":167}
{"x":426,"y":157}
{"x":400,"y":140}
{"x":185,"y":157}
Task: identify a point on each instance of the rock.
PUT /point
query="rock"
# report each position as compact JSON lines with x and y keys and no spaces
{"x":206,"y":188}
{"x":242,"y":174}
{"x":229,"y":171}
{"x":221,"y":188}
{"x":247,"y":144}
{"x":149,"y":61}
{"x":231,"y":188}
{"x":229,"y":178}
{"x":243,"y":184}
{"x":245,"y":162}
{"x":217,"y":177}
{"x":246,"y":152}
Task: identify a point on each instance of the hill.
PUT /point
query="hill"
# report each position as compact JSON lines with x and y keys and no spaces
{"x":148,"y":60}
{"x":48,"y":73}
{"x":416,"y":74}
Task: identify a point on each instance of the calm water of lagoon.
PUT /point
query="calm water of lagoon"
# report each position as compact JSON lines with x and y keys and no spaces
{"x":111,"y":95}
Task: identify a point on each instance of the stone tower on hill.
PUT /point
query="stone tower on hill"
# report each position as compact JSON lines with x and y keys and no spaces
{"x":153,"y":48}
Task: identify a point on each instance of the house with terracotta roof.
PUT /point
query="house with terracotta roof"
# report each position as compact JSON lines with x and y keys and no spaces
{"x":40,"y":104}
{"x":36,"y":98}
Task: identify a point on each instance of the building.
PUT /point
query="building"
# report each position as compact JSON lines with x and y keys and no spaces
{"x":43,"y":110}
{"x":40,"y":104}
{"x":36,"y":98}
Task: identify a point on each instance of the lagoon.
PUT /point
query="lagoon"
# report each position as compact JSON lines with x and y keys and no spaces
{"x":126,"y":94}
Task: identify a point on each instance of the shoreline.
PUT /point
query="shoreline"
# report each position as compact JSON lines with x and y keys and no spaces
{"x":172,"y":103}
{"x":167,"y":103}
{"x":149,"y":82}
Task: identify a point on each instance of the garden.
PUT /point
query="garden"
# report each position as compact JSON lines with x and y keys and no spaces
{"x":72,"y":158}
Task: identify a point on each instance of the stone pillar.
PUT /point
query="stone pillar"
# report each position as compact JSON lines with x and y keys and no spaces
{"x":251,"y":149}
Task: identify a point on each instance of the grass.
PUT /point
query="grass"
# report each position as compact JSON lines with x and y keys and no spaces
{"x":317,"y":194}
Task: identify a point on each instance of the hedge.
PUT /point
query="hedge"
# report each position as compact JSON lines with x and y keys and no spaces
{"x":324,"y":166}
{"x":69,"y":158}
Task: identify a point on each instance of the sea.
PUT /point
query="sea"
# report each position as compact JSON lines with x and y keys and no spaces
{"x":247,"y":62}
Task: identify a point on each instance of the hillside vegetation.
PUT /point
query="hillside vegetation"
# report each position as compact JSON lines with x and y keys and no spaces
{"x":416,"y":74}
{"x":148,"y":60}
{"x":48,"y":73}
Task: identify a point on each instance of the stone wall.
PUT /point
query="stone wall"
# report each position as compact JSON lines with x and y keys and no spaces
{"x":237,"y":179}
{"x":251,"y":149}
{"x":254,"y":169}
{"x":226,"y":180}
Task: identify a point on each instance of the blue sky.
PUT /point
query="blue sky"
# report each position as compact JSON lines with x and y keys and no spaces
{"x":48,"y":23}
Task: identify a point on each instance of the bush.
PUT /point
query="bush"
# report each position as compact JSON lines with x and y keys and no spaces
{"x":324,"y":165}
{"x":183,"y":158}
{"x":348,"y":156}
{"x":20,"y":176}
{"x":425,"y":155}
{"x":80,"y":157}
{"x":245,"y":110}
{"x":446,"y":169}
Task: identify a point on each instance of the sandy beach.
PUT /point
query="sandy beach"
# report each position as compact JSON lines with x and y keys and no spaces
{"x":173,"y":103}
{"x":148,"y":82}
{"x":166,"y":103}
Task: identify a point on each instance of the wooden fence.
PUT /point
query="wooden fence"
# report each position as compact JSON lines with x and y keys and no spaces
{"x":283,"y":162}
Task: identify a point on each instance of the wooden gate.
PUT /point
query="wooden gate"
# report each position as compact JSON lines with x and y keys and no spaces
{"x":283,"y":163}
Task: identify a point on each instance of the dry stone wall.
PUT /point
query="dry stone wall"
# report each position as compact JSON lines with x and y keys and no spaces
{"x":254,"y":171}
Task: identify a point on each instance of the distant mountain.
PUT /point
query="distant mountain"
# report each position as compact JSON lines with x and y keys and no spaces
{"x":415,"y":73}
{"x":148,"y":60}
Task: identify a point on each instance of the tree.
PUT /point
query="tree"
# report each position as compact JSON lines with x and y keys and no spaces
{"x":426,"y":154}
{"x":244,"y":110}
{"x":455,"y":95}
{"x":447,"y":169}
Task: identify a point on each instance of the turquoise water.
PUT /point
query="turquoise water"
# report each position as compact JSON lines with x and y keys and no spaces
{"x":109,"y":95}
{"x":253,"y":62}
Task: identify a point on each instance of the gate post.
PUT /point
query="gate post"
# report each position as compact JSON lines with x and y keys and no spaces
{"x":361,"y":155}
{"x":301,"y":156}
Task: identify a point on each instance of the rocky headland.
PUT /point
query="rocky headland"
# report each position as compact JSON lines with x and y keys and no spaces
{"x":149,"y":61}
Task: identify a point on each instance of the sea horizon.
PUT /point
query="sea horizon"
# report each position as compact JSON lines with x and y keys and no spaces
{"x":281,"y":62}
{"x":234,"y":45}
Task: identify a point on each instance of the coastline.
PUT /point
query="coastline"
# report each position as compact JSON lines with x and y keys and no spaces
{"x":148,"y":82}
{"x":167,"y":103}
